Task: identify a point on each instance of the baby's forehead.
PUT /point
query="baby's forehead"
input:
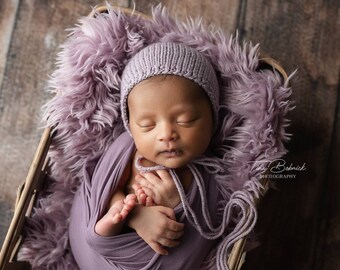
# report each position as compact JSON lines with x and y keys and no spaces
{"x":167,"y":84}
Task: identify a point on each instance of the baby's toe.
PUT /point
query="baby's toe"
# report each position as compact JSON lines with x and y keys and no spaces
{"x":117,"y":218}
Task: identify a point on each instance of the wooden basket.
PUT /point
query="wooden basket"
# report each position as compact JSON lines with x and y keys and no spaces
{"x":28,"y":191}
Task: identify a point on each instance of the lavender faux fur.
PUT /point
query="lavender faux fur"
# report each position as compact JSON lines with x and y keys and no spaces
{"x":85,"y":114}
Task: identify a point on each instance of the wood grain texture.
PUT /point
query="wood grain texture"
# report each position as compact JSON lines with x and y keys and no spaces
{"x":8,"y":12}
{"x":220,"y":13}
{"x":38,"y":31}
{"x":331,"y":229}
{"x":293,"y":219}
{"x":30,"y":32}
{"x":7,"y":18}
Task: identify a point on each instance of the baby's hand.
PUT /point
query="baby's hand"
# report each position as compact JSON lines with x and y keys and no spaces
{"x":157,"y":226}
{"x":159,"y":187}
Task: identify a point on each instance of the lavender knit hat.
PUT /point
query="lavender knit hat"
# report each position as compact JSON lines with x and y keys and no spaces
{"x":173,"y":59}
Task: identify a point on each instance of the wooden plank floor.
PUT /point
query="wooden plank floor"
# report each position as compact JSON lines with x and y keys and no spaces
{"x":299,"y":224}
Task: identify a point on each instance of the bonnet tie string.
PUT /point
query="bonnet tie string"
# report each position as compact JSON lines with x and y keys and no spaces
{"x":242,"y":199}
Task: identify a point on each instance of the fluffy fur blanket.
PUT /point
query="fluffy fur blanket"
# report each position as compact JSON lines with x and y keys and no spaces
{"x":85,"y":114}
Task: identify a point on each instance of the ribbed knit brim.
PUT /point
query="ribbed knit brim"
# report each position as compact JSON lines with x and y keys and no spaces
{"x":171,"y":59}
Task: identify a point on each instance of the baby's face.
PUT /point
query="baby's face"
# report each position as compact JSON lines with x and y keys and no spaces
{"x":170,"y":119}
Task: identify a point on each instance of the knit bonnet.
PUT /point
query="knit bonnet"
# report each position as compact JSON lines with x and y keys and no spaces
{"x":169,"y":59}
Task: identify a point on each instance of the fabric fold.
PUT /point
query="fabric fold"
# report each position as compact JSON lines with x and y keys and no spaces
{"x":127,"y":250}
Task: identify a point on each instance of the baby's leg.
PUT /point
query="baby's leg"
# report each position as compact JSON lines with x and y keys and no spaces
{"x":113,"y":221}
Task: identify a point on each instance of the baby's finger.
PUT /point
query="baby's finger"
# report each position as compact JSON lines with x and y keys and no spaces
{"x":158,"y":248}
{"x":149,"y":192}
{"x":170,"y":213}
{"x":173,"y":235}
{"x":168,"y":243}
{"x":140,"y":191}
{"x":164,"y":175}
{"x":149,"y":202}
{"x":143,"y":182}
{"x":141,"y":198}
{"x":175,"y":226}
{"x":151,"y":178}
{"x":136,"y":186}
{"x":171,"y":223}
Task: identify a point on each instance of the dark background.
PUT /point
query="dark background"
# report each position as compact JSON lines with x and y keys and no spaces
{"x":299,"y":223}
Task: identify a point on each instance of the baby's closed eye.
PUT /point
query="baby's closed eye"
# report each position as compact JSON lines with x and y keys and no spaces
{"x":187,"y":121}
{"x":146,"y":124}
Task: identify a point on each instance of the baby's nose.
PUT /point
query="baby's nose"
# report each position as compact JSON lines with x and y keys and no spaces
{"x":167,"y":133}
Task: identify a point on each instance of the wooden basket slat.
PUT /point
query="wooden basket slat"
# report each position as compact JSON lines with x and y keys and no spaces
{"x":25,"y":201}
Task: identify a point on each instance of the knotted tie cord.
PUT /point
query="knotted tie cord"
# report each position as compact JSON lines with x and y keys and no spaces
{"x":243,"y":199}
{"x":144,"y":169}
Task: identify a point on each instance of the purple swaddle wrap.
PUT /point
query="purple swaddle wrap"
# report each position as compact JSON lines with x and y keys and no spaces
{"x":128,"y":250}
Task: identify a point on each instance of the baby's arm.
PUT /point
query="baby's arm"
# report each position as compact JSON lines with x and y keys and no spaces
{"x":120,"y":206}
{"x":158,"y":186}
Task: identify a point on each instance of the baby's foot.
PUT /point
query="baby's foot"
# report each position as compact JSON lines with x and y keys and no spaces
{"x":142,"y":198}
{"x":111,"y":224}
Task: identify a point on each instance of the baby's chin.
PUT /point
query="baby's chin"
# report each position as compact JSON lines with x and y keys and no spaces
{"x":173,"y":163}
{"x":169,"y":164}
{"x":168,"y":161}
